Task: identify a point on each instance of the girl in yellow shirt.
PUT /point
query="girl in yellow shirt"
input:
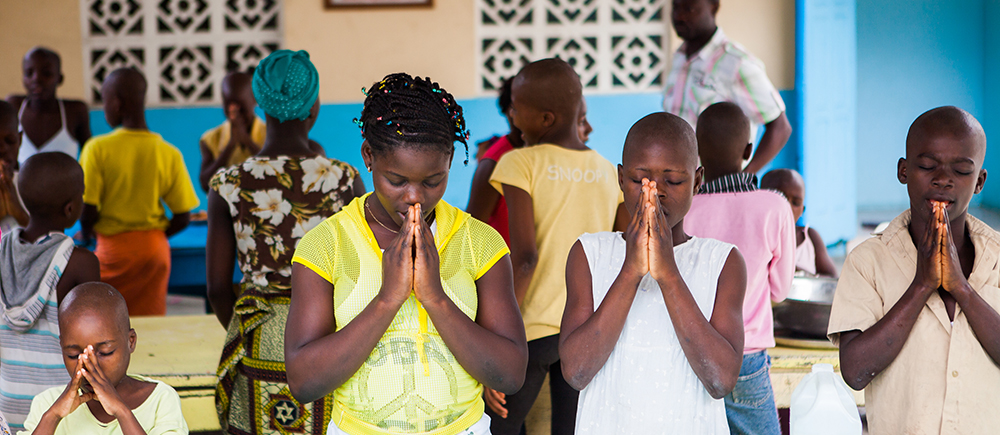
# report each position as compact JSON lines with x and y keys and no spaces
{"x":403,"y":305}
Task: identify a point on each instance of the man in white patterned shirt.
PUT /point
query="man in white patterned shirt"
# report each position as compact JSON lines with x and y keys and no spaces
{"x":709,"y":68}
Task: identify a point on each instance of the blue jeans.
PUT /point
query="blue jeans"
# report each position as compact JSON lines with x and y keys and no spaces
{"x":750,"y":407}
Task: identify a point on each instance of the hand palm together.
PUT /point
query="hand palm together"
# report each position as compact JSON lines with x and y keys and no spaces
{"x":649,"y":233}
{"x":948,"y":268}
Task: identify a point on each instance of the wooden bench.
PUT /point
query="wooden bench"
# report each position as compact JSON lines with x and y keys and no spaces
{"x":182,"y":351}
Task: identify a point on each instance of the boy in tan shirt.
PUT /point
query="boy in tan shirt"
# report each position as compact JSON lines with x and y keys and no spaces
{"x":915,"y":312}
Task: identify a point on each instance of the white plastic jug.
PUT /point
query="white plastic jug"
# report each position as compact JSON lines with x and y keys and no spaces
{"x":823,"y":404}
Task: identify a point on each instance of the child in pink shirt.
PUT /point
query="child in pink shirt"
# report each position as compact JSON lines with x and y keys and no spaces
{"x":728,"y":207}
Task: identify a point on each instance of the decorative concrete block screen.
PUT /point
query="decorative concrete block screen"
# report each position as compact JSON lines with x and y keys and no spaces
{"x":184,"y":47}
{"x":615,"y":45}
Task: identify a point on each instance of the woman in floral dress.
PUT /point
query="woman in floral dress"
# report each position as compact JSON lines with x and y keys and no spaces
{"x":258,"y":211}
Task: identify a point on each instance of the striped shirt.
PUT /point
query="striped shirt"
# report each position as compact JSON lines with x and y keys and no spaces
{"x":738,"y":182}
{"x":30,"y":356}
{"x":721,"y":71}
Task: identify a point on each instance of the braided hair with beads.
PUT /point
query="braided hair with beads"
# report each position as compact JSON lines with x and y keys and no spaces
{"x":410,"y":111}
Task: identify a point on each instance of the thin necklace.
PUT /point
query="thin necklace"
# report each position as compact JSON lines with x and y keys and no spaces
{"x":367,"y":207}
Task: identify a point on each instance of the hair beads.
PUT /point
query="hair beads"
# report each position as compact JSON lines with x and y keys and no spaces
{"x":402,"y":110}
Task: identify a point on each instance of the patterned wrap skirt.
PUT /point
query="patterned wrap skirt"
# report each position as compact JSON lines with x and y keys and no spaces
{"x":252,"y":396}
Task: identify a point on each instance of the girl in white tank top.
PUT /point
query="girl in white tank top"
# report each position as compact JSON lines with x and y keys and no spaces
{"x":647,"y":373}
{"x":60,"y":142}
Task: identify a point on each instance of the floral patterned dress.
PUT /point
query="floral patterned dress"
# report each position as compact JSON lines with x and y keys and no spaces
{"x":273,"y":203}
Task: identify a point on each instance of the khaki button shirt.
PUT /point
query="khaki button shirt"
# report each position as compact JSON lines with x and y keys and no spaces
{"x":942,"y":381}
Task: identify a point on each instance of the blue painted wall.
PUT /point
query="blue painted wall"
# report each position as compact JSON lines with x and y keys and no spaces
{"x":991,"y":103}
{"x":825,"y":76}
{"x":914,"y":55}
{"x":610,"y":115}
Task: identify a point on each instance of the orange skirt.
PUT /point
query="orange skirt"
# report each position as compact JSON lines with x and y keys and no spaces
{"x":137,"y":263}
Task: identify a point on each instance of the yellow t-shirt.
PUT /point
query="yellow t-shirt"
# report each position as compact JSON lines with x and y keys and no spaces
{"x":217,"y":138}
{"x":160,"y":414}
{"x":572,"y":192}
{"x":411,"y":382}
{"x":129,"y":174}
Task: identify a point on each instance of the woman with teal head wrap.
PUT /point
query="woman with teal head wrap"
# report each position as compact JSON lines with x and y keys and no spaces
{"x":286,"y":85}
{"x":257,"y":212}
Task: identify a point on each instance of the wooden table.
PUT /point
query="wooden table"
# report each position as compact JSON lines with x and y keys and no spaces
{"x":182,"y":351}
{"x":789,"y":365}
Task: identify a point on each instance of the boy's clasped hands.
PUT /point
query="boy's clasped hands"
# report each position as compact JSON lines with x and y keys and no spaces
{"x":411,"y":263}
{"x":938,"y":265}
{"x":649,"y":243}
{"x":98,"y":387}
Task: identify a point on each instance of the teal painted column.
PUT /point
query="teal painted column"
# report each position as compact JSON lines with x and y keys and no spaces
{"x":826,"y":80}
{"x":991,"y":104}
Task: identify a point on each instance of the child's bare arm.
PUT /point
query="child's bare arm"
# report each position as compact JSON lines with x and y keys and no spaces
{"x":65,"y":404}
{"x":588,"y":336}
{"x":318,"y":357}
{"x":491,"y":347}
{"x":483,"y":197}
{"x":82,"y":267}
{"x":983,"y":319}
{"x":88,"y":218}
{"x":714,"y":348}
{"x":82,"y":116}
{"x":10,"y":203}
{"x":863,"y":355}
{"x":824,"y":264}
{"x":177,"y":223}
{"x":523,"y":251}
{"x":220,"y":253}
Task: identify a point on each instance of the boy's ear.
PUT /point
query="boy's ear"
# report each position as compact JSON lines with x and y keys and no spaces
{"x":980,"y":181}
{"x":131,"y":340}
{"x":68,"y":209}
{"x":548,"y":119}
{"x":621,"y":177}
{"x":748,"y":151}
{"x":61,"y":78}
{"x":699,"y":175}
{"x":901,"y":171}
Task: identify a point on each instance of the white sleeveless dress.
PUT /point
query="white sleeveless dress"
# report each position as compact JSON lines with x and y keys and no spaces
{"x":647,"y":385}
{"x":60,"y":142}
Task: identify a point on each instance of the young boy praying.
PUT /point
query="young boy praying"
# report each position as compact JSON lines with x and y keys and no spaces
{"x":915,"y":312}
{"x":97,"y":344}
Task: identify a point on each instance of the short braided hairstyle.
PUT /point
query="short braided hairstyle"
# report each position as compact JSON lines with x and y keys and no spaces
{"x":410,"y":111}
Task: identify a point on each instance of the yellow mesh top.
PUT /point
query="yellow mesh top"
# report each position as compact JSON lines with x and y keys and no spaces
{"x":411,"y":383}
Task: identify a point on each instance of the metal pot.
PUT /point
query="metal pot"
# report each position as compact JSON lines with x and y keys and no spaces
{"x":806,"y":310}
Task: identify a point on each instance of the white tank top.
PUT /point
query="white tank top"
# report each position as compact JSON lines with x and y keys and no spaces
{"x":60,"y":142}
{"x":647,"y":385}
{"x":805,"y":255}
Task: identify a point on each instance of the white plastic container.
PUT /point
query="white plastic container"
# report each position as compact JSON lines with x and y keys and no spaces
{"x":823,"y":404}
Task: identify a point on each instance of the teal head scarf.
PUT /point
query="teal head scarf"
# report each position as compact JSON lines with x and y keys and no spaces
{"x":286,"y":85}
